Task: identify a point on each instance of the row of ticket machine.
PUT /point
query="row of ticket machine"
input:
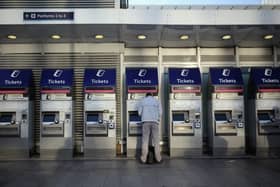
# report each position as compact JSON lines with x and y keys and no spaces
{"x":227,"y":125}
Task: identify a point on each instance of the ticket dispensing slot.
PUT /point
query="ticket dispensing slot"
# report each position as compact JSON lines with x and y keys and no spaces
{"x":52,"y":125}
{"x":181,"y":124}
{"x":96,"y":125}
{"x":268,"y":122}
{"x":8,"y":124}
{"x":134,"y":124}
{"x":224,"y":124}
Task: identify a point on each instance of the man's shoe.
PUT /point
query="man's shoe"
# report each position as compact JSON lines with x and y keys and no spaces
{"x":159,"y":162}
{"x":142,"y":161}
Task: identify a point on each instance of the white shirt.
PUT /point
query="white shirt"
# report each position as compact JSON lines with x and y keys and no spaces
{"x":149,"y":109}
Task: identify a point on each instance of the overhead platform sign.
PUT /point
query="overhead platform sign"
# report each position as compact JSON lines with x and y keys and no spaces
{"x":184,"y":76}
{"x":265,"y":76}
{"x":57,"y":78}
{"x":47,"y":16}
{"x":141,"y":77}
{"x":226,"y":76}
{"x":100,"y":77}
{"x":10,"y":78}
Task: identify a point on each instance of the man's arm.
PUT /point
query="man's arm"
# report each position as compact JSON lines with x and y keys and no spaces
{"x":159,"y":109}
{"x":140,"y":108}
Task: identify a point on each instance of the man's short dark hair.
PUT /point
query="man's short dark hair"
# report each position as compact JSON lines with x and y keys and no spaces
{"x":149,"y":94}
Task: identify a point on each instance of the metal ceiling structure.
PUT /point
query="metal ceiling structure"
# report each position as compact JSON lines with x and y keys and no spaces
{"x":157,"y":35}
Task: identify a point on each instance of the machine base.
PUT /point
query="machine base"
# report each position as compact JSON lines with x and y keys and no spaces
{"x":133,"y":153}
{"x":99,"y":153}
{"x":14,"y":148}
{"x":12,"y":154}
{"x":228,"y":152}
{"x":56,"y":154}
{"x":268,"y":152}
{"x":185,"y":153}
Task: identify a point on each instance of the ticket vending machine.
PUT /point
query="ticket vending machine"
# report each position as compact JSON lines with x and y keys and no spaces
{"x":15,"y":114}
{"x":100,"y":113}
{"x":226,"y":112}
{"x":56,"y":127}
{"x":139,"y":81}
{"x":185,"y":129}
{"x":264,"y":111}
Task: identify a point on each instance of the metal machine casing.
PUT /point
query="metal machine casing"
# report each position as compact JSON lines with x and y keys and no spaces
{"x":264,"y":110}
{"x":139,"y":81}
{"x":185,"y":113}
{"x":56,"y":124}
{"x":226,"y":112}
{"x":16,"y":117}
{"x":100,"y":113}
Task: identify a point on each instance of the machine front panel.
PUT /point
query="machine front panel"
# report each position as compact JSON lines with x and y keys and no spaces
{"x":97,"y":123}
{"x":223,"y":124}
{"x":134,"y":124}
{"x":268,"y":122}
{"x":9,"y":125}
{"x":52,"y":124}
{"x":181,"y":123}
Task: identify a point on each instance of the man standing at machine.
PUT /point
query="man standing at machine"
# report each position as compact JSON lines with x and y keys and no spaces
{"x":149,"y":109}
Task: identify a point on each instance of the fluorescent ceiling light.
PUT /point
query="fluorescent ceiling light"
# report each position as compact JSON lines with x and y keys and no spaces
{"x":268,"y":37}
{"x":99,"y":36}
{"x":226,"y":37}
{"x":12,"y":37}
{"x":55,"y":36}
{"x":184,"y":37}
{"x":141,"y":37}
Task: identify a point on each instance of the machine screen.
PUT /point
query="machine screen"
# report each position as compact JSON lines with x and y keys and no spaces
{"x":49,"y":118}
{"x":92,"y":117}
{"x":178,"y":117}
{"x":134,"y":117}
{"x":5,"y":118}
{"x":220,"y":117}
{"x":263,"y":116}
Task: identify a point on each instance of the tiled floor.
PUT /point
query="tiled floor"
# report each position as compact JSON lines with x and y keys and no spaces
{"x":130,"y":173}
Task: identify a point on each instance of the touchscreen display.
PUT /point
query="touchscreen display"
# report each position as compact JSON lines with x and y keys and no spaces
{"x":178,"y":117}
{"x":263,"y":116}
{"x":133,"y":116}
{"x":5,"y":118}
{"x":49,"y":118}
{"x":92,"y":117}
{"x":220,"y":117}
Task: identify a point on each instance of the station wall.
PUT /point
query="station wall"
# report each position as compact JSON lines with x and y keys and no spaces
{"x":80,"y":56}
